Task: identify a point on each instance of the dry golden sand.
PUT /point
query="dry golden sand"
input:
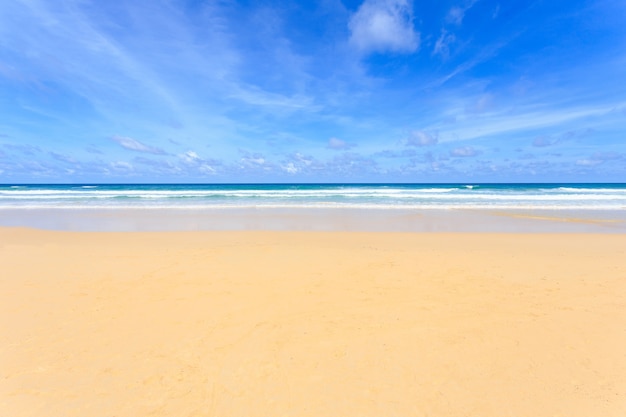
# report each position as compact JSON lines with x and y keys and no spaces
{"x":311,"y":324}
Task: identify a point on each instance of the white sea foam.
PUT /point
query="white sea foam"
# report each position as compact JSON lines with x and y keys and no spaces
{"x":593,"y":190}
{"x":318,"y":206}
{"x":322,"y":205}
{"x":366,"y":197}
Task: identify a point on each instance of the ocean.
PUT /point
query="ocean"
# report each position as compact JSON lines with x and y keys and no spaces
{"x":291,"y":196}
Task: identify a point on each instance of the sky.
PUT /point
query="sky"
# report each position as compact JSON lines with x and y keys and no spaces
{"x":312,"y":91}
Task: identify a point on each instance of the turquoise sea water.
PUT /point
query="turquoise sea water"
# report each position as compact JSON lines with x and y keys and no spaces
{"x":359,"y":196}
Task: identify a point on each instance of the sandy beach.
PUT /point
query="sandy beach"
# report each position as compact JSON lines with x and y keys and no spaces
{"x":243,"y":323}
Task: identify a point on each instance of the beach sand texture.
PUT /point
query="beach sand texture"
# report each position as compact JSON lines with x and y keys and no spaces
{"x":311,"y":324}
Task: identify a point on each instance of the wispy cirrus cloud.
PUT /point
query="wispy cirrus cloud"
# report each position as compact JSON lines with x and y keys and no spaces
{"x":199,"y":164}
{"x":442,"y":45}
{"x":134,"y":145}
{"x":483,"y":55}
{"x":25,"y":149}
{"x":457,"y":13}
{"x":338,"y":144}
{"x":63,"y":158}
{"x":530,"y":117}
{"x":270,"y":100}
{"x":122,"y":166}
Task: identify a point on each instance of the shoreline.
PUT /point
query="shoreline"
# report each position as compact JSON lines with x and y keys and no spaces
{"x":319,"y":219}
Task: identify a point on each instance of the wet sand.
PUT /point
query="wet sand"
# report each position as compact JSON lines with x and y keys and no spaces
{"x":243,"y":323}
{"x":318,"y":219}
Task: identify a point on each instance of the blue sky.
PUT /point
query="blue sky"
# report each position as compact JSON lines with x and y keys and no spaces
{"x":323,"y":91}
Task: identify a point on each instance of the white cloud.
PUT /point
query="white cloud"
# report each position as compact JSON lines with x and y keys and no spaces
{"x":421,"y":138}
{"x":481,"y":104}
{"x":298,"y":163}
{"x":338,"y":144}
{"x":190,"y":157}
{"x":442,"y":46}
{"x":94,"y":150}
{"x":600,"y":158}
{"x":63,"y":158}
{"x":121,"y":166}
{"x":351,"y":164}
{"x":588,"y":162}
{"x":290,"y":168}
{"x":158,"y":166}
{"x":135,"y":145}
{"x":384,"y":26}
{"x":464,"y":151}
{"x":543,"y":141}
{"x":272,"y":101}
{"x":253,"y":161}
{"x":207,"y":169}
{"x":195,"y":161}
{"x":496,"y":12}
{"x":457,"y":13}
{"x":26,"y":149}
